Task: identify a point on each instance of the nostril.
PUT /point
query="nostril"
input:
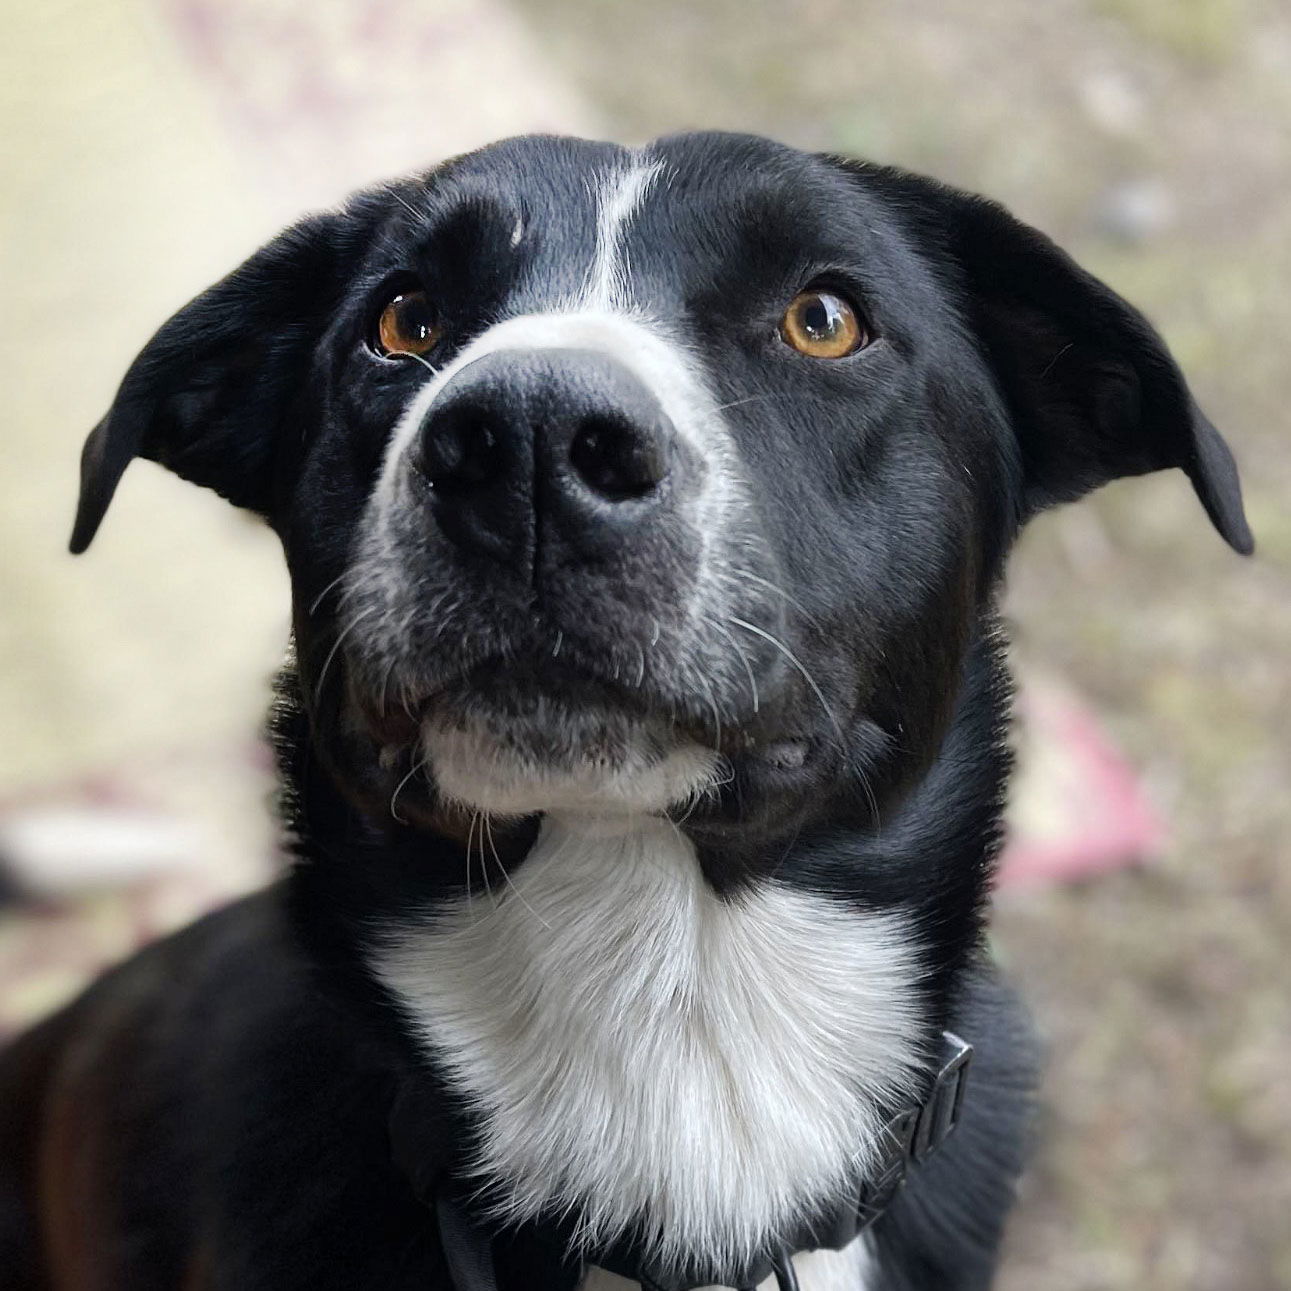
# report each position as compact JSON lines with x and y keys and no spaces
{"x":459,"y":450}
{"x":616,"y":459}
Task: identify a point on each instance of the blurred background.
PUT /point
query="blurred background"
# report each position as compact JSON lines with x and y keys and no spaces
{"x":1145,"y":905}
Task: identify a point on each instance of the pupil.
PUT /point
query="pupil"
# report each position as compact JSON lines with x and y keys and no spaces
{"x":818,"y":318}
{"x":413,"y":319}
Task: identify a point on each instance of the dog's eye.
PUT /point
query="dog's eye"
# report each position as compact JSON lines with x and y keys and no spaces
{"x":407,"y":325}
{"x":822,"y":325}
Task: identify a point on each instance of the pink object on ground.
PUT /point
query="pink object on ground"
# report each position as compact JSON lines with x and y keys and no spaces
{"x":1077,"y":808}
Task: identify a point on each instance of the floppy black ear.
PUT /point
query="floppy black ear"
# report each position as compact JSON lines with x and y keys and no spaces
{"x":1093,"y":390}
{"x":206,"y":396}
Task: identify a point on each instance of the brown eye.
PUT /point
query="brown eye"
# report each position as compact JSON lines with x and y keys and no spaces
{"x":822,"y":325}
{"x":407,"y":325}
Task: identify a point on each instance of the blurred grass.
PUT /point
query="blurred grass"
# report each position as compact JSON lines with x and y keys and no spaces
{"x":1166,"y":1161}
{"x":1207,"y":31}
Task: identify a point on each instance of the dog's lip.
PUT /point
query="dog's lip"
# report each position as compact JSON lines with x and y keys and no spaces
{"x":497,"y":687}
{"x":494,"y":682}
{"x":498,"y":681}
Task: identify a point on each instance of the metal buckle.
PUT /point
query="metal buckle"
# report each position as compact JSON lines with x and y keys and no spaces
{"x":941,"y":1111}
{"x":880,"y":1190}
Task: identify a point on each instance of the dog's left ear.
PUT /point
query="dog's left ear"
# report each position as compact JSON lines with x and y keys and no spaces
{"x":206,"y":396}
{"x":1092,"y":389}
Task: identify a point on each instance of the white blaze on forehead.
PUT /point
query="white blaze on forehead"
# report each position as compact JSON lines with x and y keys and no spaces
{"x":619,"y":196}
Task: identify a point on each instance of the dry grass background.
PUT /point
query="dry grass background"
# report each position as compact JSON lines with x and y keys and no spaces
{"x":1152,"y":137}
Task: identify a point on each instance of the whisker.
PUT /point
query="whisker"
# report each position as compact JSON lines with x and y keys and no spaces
{"x":776,"y":395}
{"x":470,"y":836}
{"x":425,"y":363}
{"x":733,"y":578}
{"x":753,"y":398}
{"x":779,"y":591}
{"x":870,"y":800}
{"x":698,"y":794}
{"x":407,"y":206}
{"x":318,"y":600}
{"x":744,"y":659}
{"x":484,"y":868}
{"x":336,"y":645}
{"x":797,"y":663}
{"x":507,"y":878}
{"x":717,"y":717}
{"x":784,"y":856}
{"x":394,"y":797}
{"x":385,"y":688}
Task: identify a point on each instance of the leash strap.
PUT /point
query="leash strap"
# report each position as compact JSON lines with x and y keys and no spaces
{"x":468,"y":1249}
{"x":910,"y":1138}
{"x":786,"y":1278}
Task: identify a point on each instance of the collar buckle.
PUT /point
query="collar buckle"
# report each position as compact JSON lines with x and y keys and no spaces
{"x":914,"y":1134}
{"x":941,"y":1110}
{"x":910,"y":1137}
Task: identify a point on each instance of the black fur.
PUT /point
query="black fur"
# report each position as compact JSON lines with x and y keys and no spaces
{"x":247,"y":1144}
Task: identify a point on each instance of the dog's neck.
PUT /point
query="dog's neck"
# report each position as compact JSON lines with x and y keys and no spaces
{"x":646,"y":1053}
{"x":631,"y":1047}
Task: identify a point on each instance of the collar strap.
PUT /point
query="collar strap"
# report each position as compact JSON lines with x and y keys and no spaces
{"x":909,"y":1138}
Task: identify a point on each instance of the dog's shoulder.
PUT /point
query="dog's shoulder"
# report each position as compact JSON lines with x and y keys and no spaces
{"x":213,"y":1061}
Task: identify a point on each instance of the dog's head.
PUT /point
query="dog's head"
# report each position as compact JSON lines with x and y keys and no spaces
{"x":666,"y":480}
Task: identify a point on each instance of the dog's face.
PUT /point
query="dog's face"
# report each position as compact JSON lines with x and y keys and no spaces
{"x":669,"y":480}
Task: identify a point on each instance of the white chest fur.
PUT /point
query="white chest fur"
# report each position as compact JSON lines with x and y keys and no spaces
{"x":646,"y":1051}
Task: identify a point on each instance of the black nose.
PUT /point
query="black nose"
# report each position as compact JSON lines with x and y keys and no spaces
{"x":523,"y":446}
{"x":616,"y":457}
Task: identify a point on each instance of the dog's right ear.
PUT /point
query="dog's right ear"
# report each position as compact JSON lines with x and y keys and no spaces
{"x":208,"y":393}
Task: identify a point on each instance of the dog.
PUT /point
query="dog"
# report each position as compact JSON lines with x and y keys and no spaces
{"x":643,"y":746}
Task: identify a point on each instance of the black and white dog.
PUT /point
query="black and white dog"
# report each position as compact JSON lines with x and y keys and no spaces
{"x":643,"y":750}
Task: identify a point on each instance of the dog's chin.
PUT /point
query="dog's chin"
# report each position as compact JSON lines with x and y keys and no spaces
{"x":543,"y":756}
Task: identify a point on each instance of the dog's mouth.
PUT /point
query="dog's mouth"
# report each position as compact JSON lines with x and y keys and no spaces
{"x":503,"y":693}
{"x":529,"y":722}
{"x":517,"y":737}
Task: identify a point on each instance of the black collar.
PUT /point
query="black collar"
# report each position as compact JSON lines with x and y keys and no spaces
{"x":910,"y":1137}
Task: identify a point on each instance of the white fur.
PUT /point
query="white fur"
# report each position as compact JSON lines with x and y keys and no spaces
{"x":642,"y":1049}
{"x":622,"y":190}
{"x":473,"y":769}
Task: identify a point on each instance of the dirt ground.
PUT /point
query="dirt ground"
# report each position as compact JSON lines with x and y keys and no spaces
{"x":1153,"y":138}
